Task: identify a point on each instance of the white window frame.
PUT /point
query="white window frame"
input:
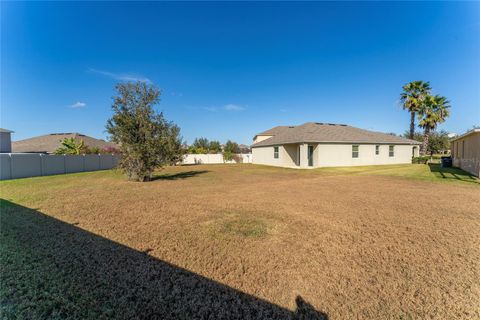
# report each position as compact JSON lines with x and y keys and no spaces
{"x":377,"y":149}
{"x":276,"y":153}
{"x":391,"y":151}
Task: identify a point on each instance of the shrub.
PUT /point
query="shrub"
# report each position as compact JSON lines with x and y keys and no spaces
{"x":228,"y":156}
{"x":420,"y":160}
{"x":237,"y":158}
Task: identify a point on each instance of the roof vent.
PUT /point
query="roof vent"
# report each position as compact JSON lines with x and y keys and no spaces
{"x":291,"y":126}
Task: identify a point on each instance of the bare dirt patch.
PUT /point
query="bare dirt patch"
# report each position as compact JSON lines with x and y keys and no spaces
{"x":348,"y":246}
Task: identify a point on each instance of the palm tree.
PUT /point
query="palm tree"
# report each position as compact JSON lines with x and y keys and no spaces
{"x":434,"y":111}
{"x":413,"y":97}
{"x":71,"y":146}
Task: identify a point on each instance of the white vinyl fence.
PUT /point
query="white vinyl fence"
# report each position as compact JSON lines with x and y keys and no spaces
{"x":213,"y":158}
{"x":23,"y":165}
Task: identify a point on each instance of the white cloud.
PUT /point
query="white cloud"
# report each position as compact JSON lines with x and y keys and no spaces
{"x":121,"y":76}
{"x":77,"y":105}
{"x":233,"y":107}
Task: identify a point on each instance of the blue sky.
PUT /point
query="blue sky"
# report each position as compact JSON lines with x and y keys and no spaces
{"x":230,"y":70}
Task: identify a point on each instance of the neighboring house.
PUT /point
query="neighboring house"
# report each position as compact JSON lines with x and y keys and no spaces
{"x":5,"y":140}
{"x":466,"y":152}
{"x":50,"y":142}
{"x":244,"y":148}
{"x":313,"y":145}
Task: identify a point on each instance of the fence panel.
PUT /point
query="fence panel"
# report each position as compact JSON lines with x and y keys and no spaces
{"x":26,"y":165}
{"x":106,"y":162}
{"x":23,"y":165}
{"x":213,"y":158}
{"x":74,"y":164}
{"x":54,"y":164}
{"x":5,"y":166}
{"x":92,"y":162}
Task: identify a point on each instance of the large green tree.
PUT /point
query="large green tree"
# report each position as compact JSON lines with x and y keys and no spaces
{"x":434,"y":111}
{"x":147,"y":140}
{"x":413,"y":98}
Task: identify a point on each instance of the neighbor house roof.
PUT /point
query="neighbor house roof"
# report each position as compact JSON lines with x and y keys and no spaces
{"x":50,"y":142}
{"x":6,"y":130}
{"x":328,"y":133}
{"x":473,"y":131}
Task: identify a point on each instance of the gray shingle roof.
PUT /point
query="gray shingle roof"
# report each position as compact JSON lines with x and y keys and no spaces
{"x":51,"y":142}
{"x":328,"y":133}
{"x":273,"y":131}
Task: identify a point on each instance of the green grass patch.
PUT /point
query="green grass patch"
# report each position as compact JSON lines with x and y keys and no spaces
{"x":239,"y":225}
{"x":430,"y":172}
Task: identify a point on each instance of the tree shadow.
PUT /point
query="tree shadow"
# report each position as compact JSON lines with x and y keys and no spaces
{"x":51,"y":269}
{"x":178,"y":175}
{"x":452,"y":173}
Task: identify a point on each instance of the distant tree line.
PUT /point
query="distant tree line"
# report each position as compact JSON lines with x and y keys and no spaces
{"x":438,"y":141}
{"x":204,"y":146}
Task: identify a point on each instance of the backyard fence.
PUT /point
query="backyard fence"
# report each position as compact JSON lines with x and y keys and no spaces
{"x":23,"y":165}
{"x":214,"y":158}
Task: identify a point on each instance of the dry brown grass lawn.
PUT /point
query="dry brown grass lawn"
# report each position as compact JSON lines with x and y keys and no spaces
{"x":354,"y":246}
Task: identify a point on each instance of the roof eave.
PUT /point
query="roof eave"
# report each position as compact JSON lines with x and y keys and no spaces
{"x":261,"y":144}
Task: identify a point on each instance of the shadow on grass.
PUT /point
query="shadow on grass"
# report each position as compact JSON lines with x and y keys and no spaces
{"x":54,"y":270}
{"x":178,"y":175}
{"x":452,"y":173}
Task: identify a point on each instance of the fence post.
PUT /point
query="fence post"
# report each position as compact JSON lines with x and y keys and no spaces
{"x":41,"y":165}
{"x":11,"y":166}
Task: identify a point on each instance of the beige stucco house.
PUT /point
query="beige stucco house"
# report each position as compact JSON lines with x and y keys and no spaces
{"x":313,"y":145}
{"x":466,"y":152}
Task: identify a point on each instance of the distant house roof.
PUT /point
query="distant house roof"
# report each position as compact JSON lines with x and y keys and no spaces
{"x":473,"y":131}
{"x":6,"y":130}
{"x":50,"y":142}
{"x":327,"y":133}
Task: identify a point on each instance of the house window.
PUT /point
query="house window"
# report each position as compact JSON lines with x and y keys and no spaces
{"x":377,"y":150}
{"x":275,"y":152}
{"x":391,"y":151}
{"x":355,"y":151}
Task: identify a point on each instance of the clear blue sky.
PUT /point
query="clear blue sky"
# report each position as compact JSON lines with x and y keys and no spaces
{"x":230,"y":70}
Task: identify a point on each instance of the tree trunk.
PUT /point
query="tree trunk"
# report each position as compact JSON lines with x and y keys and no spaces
{"x":412,"y":125}
{"x":426,"y":136}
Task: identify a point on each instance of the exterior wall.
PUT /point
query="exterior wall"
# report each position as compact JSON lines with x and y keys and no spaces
{"x":340,"y":155}
{"x":23,"y":165}
{"x":212,"y":158}
{"x":466,"y":153}
{"x":264,"y":155}
{"x":333,"y":155}
{"x":260,"y":138}
{"x":5,"y":142}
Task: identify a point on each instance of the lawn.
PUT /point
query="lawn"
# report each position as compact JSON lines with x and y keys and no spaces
{"x":243,"y":242}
